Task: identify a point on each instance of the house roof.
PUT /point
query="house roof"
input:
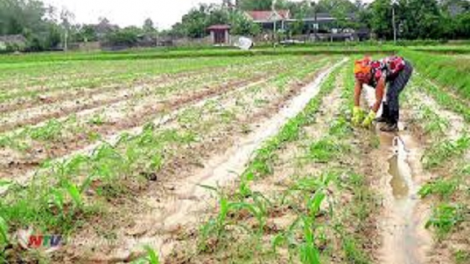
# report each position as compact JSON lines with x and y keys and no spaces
{"x":219,"y":27}
{"x":13,"y":39}
{"x":269,"y":15}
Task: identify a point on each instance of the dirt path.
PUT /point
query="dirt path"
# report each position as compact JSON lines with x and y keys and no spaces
{"x":189,"y":198}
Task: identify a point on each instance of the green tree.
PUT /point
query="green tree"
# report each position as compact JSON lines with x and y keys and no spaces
{"x":455,"y":22}
{"x":299,"y":11}
{"x":148,"y":26}
{"x":241,"y":25}
{"x":32,"y":19}
{"x":128,"y":36}
{"x":381,"y":18}
{"x":195,"y":23}
{"x":462,"y":25}
{"x":420,"y":19}
{"x":86,"y":33}
{"x":262,"y":4}
{"x":341,"y":10}
{"x":330,"y":6}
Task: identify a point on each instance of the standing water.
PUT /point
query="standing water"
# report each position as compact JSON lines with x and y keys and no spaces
{"x":405,"y":239}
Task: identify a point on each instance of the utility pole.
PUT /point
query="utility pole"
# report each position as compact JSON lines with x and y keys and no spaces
{"x":273,"y":9}
{"x":315,"y":23}
{"x":66,"y":16}
{"x":66,"y":40}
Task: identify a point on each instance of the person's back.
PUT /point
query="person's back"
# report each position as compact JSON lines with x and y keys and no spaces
{"x":392,"y":71}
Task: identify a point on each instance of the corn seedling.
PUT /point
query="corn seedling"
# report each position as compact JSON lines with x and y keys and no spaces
{"x":441,"y":187}
{"x":445,"y":150}
{"x":445,"y":217}
{"x":434,"y":124}
{"x":443,"y":98}
{"x":51,"y":131}
{"x":13,"y":143}
{"x":324,"y":150}
{"x":217,"y":226}
{"x":151,"y":258}
{"x":152,"y":255}
{"x":106,"y":161}
{"x":309,"y":253}
{"x":97,"y":120}
{"x":340,"y":128}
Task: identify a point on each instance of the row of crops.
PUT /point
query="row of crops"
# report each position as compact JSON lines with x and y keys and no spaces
{"x":194,"y":115}
{"x":110,"y":153}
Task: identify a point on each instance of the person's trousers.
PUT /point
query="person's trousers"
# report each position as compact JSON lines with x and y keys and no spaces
{"x":395,"y":87}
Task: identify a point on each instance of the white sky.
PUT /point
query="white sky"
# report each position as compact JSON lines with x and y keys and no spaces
{"x":164,"y":13}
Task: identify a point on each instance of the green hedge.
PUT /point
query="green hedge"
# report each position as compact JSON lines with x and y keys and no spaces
{"x":449,"y":71}
{"x":163,"y":54}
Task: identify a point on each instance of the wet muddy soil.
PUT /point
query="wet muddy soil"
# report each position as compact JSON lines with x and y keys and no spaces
{"x":402,"y":223}
{"x":190,"y":199}
{"x":405,"y":239}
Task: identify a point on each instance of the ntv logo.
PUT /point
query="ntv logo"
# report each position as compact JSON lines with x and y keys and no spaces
{"x":37,"y":241}
{"x":46,"y":241}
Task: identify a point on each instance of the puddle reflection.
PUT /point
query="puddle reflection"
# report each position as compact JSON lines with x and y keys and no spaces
{"x":400,"y":188}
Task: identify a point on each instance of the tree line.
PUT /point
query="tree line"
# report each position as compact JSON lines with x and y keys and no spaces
{"x":414,"y":19}
{"x":45,"y":28}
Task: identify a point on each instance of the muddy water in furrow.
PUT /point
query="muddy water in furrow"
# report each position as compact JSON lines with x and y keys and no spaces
{"x":405,"y":239}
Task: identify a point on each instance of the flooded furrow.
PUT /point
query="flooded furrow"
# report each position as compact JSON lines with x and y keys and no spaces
{"x":405,"y":241}
{"x":402,"y":223}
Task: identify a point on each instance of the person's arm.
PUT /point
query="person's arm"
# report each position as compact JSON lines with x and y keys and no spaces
{"x":357,"y":93}
{"x":379,"y":94}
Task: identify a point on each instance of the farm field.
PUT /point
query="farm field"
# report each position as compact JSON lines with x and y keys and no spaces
{"x":230,"y":159}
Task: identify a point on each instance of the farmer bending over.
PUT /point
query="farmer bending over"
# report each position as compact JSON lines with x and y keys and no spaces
{"x":394,"y":71}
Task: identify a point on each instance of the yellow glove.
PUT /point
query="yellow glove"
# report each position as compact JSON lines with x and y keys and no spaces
{"x":369,"y":119}
{"x":358,"y":115}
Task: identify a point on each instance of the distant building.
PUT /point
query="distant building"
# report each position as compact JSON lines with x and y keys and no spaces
{"x":220,"y":34}
{"x":324,"y":26}
{"x":270,"y":20}
{"x":13,"y":42}
{"x":316,"y":26}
